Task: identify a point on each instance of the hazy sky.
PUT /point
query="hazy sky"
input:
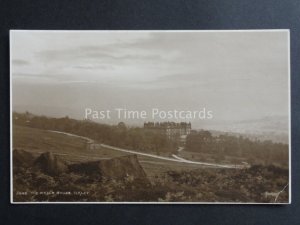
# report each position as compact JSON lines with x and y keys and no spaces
{"x":237,"y":75}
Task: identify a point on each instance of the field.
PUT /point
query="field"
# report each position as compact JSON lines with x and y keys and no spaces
{"x":71,"y":148}
{"x":71,"y":158}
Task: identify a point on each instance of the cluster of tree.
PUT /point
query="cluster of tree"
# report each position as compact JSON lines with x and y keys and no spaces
{"x":119,"y":135}
{"x":204,"y":142}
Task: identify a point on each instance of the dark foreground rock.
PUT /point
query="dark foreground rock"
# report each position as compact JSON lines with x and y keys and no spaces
{"x":51,"y":164}
{"x":48,"y":177}
{"x":116,"y":168}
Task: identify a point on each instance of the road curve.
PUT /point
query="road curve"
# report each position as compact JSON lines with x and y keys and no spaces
{"x":176,"y":158}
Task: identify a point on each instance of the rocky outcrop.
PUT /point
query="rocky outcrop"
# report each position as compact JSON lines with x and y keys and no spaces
{"x":115,"y":168}
{"x":50,"y":164}
{"x":119,"y":168}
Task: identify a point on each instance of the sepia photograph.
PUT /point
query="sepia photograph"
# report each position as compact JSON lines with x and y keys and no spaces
{"x":167,"y":117}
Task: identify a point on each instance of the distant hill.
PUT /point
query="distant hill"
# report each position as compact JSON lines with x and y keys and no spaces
{"x":274,"y":128}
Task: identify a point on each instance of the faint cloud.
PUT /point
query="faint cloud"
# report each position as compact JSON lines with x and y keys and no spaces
{"x":20,"y":62}
{"x":75,"y":82}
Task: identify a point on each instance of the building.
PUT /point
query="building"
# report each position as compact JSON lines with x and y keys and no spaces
{"x":171,"y":129}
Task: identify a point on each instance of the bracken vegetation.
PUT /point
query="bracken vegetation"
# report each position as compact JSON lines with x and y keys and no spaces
{"x":123,"y":179}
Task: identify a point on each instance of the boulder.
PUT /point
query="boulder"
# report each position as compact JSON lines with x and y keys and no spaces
{"x":50,"y":164}
{"x":115,"y":168}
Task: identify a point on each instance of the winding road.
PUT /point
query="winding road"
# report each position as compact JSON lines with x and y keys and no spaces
{"x":174,"y":159}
